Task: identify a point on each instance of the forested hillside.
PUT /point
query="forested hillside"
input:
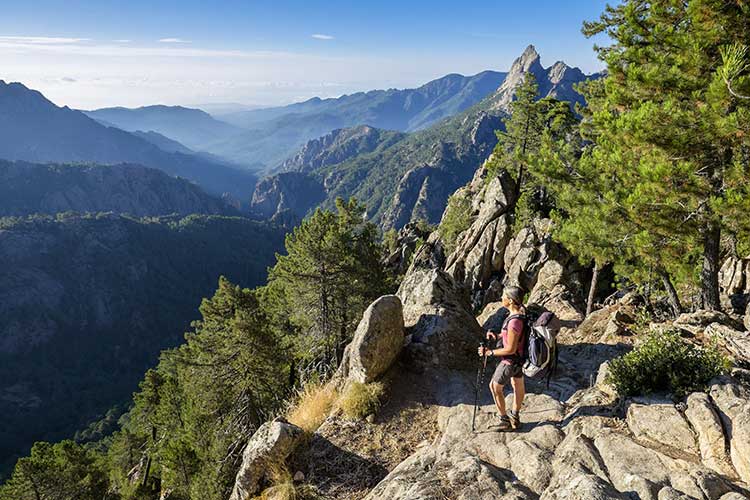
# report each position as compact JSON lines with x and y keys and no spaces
{"x":30,"y":188}
{"x":88,"y":302}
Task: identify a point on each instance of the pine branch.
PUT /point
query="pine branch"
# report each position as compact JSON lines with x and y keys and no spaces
{"x":735,"y":62}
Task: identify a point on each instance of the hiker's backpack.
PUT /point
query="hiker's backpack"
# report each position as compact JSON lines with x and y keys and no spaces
{"x":540,"y":351}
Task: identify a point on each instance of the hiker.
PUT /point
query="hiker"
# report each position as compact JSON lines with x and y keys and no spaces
{"x":509,"y":350}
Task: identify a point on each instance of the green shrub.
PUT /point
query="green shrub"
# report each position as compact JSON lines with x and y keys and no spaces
{"x":456,"y":220}
{"x":360,"y":400}
{"x":664,"y":361}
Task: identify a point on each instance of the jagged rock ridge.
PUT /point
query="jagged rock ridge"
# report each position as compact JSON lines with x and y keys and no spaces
{"x":412,"y":178}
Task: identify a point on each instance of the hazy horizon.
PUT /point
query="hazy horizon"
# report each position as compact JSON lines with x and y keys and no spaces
{"x":89,"y":56}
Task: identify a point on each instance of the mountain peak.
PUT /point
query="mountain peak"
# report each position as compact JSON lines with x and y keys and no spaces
{"x":530,"y":53}
{"x":527,"y":62}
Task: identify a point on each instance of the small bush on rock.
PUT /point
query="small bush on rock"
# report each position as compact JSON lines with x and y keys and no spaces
{"x":456,"y":220}
{"x":664,"y":361}
{"x":360,"y":400}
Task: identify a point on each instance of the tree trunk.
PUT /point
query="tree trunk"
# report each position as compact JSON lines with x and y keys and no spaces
{"x":710,"y":271}
{"x":292,"y":374}
{"x":592,"y":288}
{"x":148,"y":461}
{"x":674,"y":299}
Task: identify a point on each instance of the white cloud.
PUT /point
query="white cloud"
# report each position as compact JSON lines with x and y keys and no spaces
{"x":21,"y":45}
{"x":319,"y":36}
{"x":173,"y":40}
{"x":41,"y":40}
{"x":122,"y":41}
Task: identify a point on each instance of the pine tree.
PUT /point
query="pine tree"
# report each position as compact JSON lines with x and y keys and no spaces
{"x":670,"y":135}
{"x":61,"y":471}
{"x":195,"y":411}
{"x":531,"y":120}
{"x":331,"y":272}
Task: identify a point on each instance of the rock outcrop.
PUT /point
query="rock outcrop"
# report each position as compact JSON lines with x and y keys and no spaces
{"x":268,"y":447}
{"x":290,"y":191}
{"x":438,"y":320}
{"x":479,"y":256}
{"x":377,"y":341}
{"x":734,"y":284}
{"x":488,"y":256}
{"x":337,"y":146}
{"x":407,"y":240}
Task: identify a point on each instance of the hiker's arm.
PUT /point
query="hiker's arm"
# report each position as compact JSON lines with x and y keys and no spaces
{"x":512,"y":346}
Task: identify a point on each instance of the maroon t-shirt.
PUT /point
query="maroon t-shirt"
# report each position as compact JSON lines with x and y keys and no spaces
{"x":515,"y":324}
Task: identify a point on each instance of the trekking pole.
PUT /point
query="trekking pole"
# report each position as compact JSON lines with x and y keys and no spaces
{"x":480,"y":381}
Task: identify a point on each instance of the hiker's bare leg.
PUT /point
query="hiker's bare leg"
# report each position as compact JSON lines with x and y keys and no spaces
{"x":519,"y":392}
{"x":497,"y":394}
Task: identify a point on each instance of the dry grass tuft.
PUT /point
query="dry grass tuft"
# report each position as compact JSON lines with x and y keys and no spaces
{"x":313,"y":406}
{"x":284,"y":487}
{"x":360,"y":400}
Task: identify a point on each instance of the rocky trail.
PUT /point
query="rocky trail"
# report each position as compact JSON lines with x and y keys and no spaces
{"x":580,"y":442}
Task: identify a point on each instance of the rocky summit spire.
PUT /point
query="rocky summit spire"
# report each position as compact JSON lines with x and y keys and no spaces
{"x":528,"y":62}
{"x":556,"y":81}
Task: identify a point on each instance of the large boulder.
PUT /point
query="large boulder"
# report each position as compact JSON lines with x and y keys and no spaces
{"x":551,"y":292}
{"x":271,"y":444}
{"x":438,"y":318}
{"x":608,"y":325}
{"x":377,"y":341}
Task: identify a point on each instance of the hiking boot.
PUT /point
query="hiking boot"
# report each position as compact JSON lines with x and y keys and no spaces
{"x":504,"y":423}
{"x":514,"y":419}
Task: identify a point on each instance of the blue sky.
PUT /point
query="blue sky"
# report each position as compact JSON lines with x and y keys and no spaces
{"x":87,"y":53}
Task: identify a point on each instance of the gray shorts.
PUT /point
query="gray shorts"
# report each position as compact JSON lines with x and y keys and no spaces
{"x":504,"y":372}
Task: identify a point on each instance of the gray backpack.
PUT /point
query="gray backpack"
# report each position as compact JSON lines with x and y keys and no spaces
{"x":540,"y":351}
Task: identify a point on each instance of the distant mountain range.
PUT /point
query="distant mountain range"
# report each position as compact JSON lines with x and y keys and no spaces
{"x":34,"y":129}
{"x":192,"y":127}
{"x":29,"y":188}
{"x":411,"y":176}
{"x":394,"y":109}
{"x":261,"y":139}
